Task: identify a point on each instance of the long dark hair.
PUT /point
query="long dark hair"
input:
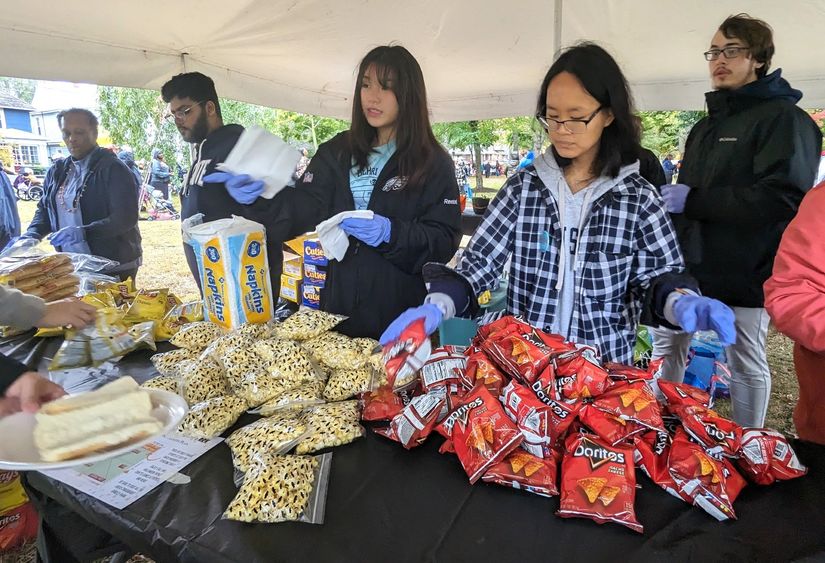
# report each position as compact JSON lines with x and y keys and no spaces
{"x":601,"y":76}
{"x":415,"y":143}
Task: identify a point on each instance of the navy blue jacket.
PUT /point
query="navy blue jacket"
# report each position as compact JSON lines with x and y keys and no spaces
{"x":107,"y":201}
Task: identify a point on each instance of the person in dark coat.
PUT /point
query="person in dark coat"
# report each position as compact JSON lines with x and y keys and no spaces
{"x":746,"y":168}
{"x":160,"y":175}
{"x":127,"y":157}
{"x":89,"y":204}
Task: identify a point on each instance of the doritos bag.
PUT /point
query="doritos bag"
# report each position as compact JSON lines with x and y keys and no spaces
{"x":632,"y":401}
{"x":767,"y":456}
{"x":521,"y":470}
{"x":598,"y":481}
{"x":444,"y":367}
{"x":578,"y":376}
{"x":652,"y":455}
{"x":540,"y":419}
{"x":523,"y":354}
{"x":380,"y":404}
{"x":701,"y":477}
{"x":718,"y":435}
{"x":480,"y":431}
{"x":607,"y":426}
{"x":681,"y":395}
{"x":415,"y":421}
{"x":481,"y":368}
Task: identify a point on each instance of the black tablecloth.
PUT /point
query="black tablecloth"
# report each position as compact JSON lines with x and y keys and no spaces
{"x":388,"y":504}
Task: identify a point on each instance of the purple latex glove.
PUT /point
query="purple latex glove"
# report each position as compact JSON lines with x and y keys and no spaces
{"x":66,"y":235}
{"x":241,"y":187}
{"x":431,"y":314}
{"x":694,"y":312}
{"x":675,"y":196}
{"x":370,"y":231}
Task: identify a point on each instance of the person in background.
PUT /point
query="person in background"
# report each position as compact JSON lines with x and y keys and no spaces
{"x":9,"y":217}
{"x":795,"y":301}
{"x":127,"y":157}
{"x":526,"y":160}
{"x":589,"y":242}
{"x":196,"y":111}
{"x":23,"y":389}
{"x":746,"y":168}
{"x":669,"y":168}
{"x":89,"y":204}
{"x":649,"y":167}
{"x":159,"y":178}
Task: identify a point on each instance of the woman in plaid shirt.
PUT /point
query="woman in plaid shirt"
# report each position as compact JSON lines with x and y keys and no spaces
{"x":591,"y":248}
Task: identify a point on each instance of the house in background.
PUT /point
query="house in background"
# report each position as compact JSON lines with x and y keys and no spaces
{"x":50,"y":98}
{"x":28,"y":147}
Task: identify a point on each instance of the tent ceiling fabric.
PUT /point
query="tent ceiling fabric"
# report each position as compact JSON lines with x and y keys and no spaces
{"x":481,"y":59}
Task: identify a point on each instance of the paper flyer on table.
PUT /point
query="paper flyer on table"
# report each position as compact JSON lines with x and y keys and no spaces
{"x":122,"y":480}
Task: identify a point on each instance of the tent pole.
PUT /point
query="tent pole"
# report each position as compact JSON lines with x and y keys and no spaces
{"x":557,"y":26}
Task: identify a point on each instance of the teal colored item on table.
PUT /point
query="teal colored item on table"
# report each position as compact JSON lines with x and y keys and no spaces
{"x":457,"y":331}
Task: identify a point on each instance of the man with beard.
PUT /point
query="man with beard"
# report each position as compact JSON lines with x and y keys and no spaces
{"x":196,"y":111}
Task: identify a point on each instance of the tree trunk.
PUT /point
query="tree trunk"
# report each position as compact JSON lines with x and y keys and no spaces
{"x":314,"y":136}
{"x":479,"y":173}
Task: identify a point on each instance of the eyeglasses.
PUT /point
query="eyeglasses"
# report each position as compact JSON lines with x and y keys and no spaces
{"x":729,"y":52}
{"x":180,"y":115}
{"x":574,"y":126}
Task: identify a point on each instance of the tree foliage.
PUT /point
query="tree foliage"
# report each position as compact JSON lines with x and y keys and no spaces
{"x":665,"y":132}
{"x":463,"y":134}
{"x":19,"y":87}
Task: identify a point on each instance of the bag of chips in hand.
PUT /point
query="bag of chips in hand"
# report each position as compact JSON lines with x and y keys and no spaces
{"x":404,"y":357}
{"x":598,"y":481}
{"x":481,"y":432}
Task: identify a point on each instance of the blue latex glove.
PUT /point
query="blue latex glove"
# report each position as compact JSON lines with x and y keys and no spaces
{"x":431,"y":314}
{"x":242,"y":187}
{"x":675,"y":196}
{"x":66,"y":235}
{"x":370,"y":231}
{"x":694,"y":312}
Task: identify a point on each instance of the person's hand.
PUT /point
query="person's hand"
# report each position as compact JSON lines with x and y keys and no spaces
{"x":67,"y":312}
{"x":242,"y":187}
{"x":694,"y":312}
{"x":67,"y":235}
{"x":28,"y":392}
{"x":675,"y":196}
{"x":431,"y":314}
{"x":370,"y":231}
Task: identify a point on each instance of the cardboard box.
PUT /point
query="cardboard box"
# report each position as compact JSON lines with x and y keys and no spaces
{"x":293,"y":265}
{"x":291,"y":288}
{"x":311,"y":295}
{"x":314,"y":254}
{"x":315,"y":275}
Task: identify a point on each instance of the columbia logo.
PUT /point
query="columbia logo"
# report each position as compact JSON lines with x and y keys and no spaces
{"x":728,"y":139}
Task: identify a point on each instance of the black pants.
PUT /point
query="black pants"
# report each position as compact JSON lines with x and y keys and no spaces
{"x":162,"y":186}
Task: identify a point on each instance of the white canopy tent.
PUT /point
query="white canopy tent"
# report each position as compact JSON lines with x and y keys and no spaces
{"x":481,"y":58}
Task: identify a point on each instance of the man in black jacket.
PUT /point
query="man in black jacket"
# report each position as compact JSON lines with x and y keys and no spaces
{"x":746,"y":167}
{"x":89,"y":204}
{"x":194,"y":106}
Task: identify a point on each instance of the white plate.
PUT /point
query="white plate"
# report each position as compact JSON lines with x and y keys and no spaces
{"x":18,"y":452}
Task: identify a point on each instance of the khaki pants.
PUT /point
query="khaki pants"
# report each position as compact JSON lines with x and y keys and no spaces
{"x":750,"y":386}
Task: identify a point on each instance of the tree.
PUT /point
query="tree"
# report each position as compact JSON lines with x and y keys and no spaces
{"x":134,"y":117}
{"x":520,"y":133}
{"x":666,"y":131}
{"x":463,"y":134}
{"x":19,"y":87}
{"x":306,"y":129}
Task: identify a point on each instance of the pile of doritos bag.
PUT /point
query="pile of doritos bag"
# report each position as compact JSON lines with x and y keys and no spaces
{"x":520,"y":406}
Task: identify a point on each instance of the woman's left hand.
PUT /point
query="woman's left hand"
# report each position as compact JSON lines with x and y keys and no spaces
{"x":369,"y":231}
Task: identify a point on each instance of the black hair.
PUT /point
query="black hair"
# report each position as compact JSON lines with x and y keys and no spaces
{"x":756,"y":34}
{"x":89,"y":115}
{"x":416,"y":145}
{"x":600,"y":75}
{"x":193,"y":85}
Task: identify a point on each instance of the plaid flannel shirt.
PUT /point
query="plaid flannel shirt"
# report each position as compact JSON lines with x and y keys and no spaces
{"x":627,"y":241}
